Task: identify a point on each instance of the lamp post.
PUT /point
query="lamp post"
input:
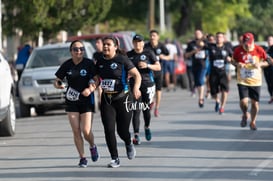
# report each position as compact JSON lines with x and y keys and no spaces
{"x":162,"y":16}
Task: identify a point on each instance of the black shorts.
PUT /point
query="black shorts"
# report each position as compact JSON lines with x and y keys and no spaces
{"x":218,"y":82}
{"x":253,"y":92}
{"x":80,"y":108}
{"x":158,"y":78}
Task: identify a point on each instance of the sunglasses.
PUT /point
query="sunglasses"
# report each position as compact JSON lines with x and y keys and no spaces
{"x":76,"y":49}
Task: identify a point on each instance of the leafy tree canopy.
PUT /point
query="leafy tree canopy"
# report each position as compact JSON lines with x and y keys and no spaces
{"x":51,"y":16}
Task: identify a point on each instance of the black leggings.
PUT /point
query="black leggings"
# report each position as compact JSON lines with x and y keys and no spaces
{"x":116,"y":112}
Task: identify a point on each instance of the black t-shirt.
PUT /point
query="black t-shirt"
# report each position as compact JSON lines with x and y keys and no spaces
{"x":77,"y":77}
{"x":218,"y":57}
{"x":158,"y":50}
{"x":198,"y":59}
{"x":146,"y":56}
{"x":114,"y":73}
{"x":97,"y":55}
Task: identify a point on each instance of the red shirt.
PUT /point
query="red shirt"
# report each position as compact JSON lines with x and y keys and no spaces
{"x":249,"y":75}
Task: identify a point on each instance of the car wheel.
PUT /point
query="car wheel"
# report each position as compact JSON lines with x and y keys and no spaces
{"x":40,"y":110}
{"x":24,"y":110}
{"x":7,"y":126}
{"x":184,"y":81}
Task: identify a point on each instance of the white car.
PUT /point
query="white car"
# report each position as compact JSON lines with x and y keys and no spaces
{"x":7,"y":106}
{"x":36,"y":83}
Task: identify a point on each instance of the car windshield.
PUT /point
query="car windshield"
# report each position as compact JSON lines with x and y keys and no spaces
{"x":48,"y":57}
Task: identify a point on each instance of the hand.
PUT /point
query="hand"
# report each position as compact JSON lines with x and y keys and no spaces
{"x":142,"y":65}
{"x":86,"y":92}
{"x":136,"y":93}
{"x":257,"y":65}
{"x":241,"y":65}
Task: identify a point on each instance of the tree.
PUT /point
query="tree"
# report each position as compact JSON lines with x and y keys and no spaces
{"x":260,"y":23}
{"x":51,"y":16}
{"x":209,"y":16}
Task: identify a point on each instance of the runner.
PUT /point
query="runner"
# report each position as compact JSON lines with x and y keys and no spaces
{"x":249,"y":59}
{"x":80,"y":102}
{"x":268,"y":71}
{"x":197,"y":51}
{"x":146,"y":62}
{"x":112,"y":70}
{"x":161,"y":53}
{"x":218,"y":79}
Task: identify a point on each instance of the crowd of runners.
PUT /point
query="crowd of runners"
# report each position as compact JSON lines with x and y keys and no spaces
{"x":130,"y":84}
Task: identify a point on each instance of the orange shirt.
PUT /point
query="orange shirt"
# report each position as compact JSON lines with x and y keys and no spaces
{"x":249,"y":75}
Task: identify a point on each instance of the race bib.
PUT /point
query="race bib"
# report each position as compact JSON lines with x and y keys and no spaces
{"x":200,"y":55}
{"x":72,"y":94}
{"x":247,"y":73}
{"x":219,"y":63}
{"x":108,"y":84}
{"x":151,"y":93}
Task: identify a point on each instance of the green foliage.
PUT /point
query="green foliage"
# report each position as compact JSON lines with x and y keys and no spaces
{"x":51,"y":16}
{"x":260,"y":23}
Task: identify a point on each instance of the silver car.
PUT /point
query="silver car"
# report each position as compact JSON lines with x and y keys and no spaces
{"x":36,"y":83}
{"x":7,"y":106}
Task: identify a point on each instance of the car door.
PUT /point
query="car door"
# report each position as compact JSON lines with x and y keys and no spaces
{"x":5,"y":79}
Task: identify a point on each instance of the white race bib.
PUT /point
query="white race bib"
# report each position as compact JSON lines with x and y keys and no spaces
{"x":200,"y":55}
{"x":108,"y":84}
{"x":247,"y":73}
{"x":72,"y":94}
{"x":219,"y":63}
{"x":151,"y":93}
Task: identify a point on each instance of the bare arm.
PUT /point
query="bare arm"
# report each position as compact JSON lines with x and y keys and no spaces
{"x":136,"y":75}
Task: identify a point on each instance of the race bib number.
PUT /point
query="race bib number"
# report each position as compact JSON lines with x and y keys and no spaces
{"x":200,"y":55}
{"x":108,"y":84}
{"x":219,"y":63}
{"x":72,"y":94}
{"x":247,"y":73}
{"x":151,"y":93}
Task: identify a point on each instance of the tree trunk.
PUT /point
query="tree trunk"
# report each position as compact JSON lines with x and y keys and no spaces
{"x":184,"y":21}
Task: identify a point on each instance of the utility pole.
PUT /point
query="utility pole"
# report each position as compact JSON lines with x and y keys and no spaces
{"x":162,"y":16}
{"x":151,"y":14}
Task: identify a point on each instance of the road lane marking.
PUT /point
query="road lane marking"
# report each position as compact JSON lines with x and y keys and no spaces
{"x":261,"y":166}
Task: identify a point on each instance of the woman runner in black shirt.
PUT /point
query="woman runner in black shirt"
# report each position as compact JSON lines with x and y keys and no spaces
{"x":112,"y":70}
{"x":146,"y":62}
{"x":79,"y":72}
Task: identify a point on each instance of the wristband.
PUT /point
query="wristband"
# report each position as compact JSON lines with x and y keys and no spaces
{"x":148,"y":66}
{"x":91,"y":81}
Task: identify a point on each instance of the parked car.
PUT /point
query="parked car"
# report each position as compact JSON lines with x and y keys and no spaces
{"x":125,"y":40}
{"x":7,"y":105}
{"x":36,"y":84}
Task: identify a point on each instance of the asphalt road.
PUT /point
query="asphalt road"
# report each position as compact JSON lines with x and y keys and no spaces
{"x":188,"y":143}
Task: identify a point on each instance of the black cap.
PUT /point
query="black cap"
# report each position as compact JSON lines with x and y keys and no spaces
{"x":138,"y":37}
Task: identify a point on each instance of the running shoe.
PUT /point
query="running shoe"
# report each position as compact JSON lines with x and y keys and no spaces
{"x":114,"y":163}
{"x":148,"y":134}
{"x":252,"y":127}
{"x":94,"y":153}
{"x":244,"y":121}
{"x":201,"y":103}
{"x":136,"y":140}
{"x":83,"y":163}
{"x":131,"y":151}
{"x":221,"y":110}
{"x":156,"y":113}
{"x":217,"y":106}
